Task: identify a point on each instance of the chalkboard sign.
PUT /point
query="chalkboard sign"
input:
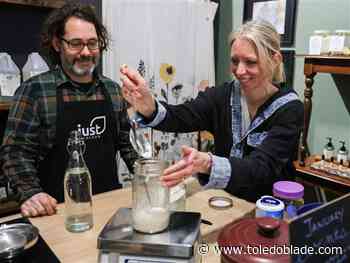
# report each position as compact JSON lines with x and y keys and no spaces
{"x":323,"y":234}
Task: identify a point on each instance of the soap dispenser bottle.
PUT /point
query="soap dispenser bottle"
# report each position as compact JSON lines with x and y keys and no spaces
{"x":328,"y":150}
{"x":342,"y":155}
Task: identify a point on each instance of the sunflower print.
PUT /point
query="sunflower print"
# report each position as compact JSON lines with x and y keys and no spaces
{"x":167,"y":72}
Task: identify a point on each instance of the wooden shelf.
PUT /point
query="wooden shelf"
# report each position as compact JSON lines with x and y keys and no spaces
{"x":319,"y":174}
{"x":39,"y":3}
{"x":5,"y":105}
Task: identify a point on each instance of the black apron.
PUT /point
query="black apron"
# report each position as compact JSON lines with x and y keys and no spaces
{"x":97,"y":122}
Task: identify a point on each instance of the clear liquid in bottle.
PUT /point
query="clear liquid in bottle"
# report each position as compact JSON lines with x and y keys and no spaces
{"x":77,"y":188}
{"x":78,"y":203}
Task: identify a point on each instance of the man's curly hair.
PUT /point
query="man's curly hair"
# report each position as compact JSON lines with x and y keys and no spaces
{"x":54,"y":26}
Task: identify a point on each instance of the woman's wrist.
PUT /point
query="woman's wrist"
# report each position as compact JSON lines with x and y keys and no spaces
{"x":150,"y":117}
{"x":209,"y":162}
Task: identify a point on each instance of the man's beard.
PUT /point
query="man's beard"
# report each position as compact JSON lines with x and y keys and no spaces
{"x":76,"y":70}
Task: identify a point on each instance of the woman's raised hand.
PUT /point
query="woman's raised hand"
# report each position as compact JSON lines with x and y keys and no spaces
{"x":136,"y":92}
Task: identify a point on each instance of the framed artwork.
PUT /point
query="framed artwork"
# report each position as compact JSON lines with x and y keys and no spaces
{"x":280,"y":13}
{"x":288,"y":61}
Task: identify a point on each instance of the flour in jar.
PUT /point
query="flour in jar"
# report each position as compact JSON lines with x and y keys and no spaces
{"x":151,"y":220}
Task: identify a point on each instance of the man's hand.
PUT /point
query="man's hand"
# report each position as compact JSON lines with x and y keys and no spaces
{"x":40,"y":204}
{"x":193,"y":161}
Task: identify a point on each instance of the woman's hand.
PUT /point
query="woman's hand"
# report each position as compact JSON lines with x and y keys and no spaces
{"x":193,"y":161}
{"x":136,"y":92}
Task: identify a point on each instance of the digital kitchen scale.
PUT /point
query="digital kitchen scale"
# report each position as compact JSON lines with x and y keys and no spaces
{"x":118,"y":242}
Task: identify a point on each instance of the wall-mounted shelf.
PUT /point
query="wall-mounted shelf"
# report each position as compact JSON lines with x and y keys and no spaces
{"x":39,"y":3}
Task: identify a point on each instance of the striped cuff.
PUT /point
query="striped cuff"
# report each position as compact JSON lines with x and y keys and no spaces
{"x":220,"y":173}
{"x":158,"y":119}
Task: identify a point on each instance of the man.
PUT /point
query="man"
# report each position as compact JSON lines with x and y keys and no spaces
{"x":71,"y":96}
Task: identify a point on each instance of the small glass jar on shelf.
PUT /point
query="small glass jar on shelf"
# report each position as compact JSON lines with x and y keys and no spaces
{"x":340,"y":43}
{"x":319,"y":42}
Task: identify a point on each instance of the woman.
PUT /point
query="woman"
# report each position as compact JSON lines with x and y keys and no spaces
{"x":255,"y":119}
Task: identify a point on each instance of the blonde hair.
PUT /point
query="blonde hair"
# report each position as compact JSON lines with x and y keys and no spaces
{"x":266,"y":40}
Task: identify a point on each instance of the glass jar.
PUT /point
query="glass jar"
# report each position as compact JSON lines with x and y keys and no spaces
{"x":344,"y":41}
{"x":340,"y":43}
{"x":150,"y":200}
{"x":319,"y":42}
{"x":291,"y":193}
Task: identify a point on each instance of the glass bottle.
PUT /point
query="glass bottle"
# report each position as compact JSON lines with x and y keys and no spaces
{"x":342,"y":155}
{"x":77,"y":187}
{"x":329,"y":150}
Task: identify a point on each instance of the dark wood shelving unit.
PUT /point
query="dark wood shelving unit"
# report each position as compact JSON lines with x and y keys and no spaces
{"x":312,"y":66}
{"x":39,"y":3}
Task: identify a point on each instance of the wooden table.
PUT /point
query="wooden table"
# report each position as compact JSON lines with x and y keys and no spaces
{"x":82,"y":247}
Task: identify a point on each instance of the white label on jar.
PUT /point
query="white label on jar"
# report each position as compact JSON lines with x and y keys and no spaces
{"x":9,"y":83}
{"x":315,"y":45}
{"x":342,"y":157}
{"x":176,"y":193}
{"x":328,"y":154}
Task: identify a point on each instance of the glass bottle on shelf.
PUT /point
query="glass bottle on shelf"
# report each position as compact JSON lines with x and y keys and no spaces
{"x":342,"y":155}
{"x":77,"y":187}
{"x":328,"y":150}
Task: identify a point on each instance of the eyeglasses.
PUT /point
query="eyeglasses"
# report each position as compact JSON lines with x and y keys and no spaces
{"x":78,"y":45}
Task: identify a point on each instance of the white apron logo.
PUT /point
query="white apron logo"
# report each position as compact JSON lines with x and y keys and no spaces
{"x":96,"y":128}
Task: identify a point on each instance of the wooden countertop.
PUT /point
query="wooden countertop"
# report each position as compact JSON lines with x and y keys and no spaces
{"x":82,"y":247}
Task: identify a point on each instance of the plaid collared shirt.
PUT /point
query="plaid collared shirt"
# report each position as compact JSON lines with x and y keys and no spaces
{"x":31,"y":127}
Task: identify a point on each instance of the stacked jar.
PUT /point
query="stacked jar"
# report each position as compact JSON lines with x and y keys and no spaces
{"x":291,"y":193}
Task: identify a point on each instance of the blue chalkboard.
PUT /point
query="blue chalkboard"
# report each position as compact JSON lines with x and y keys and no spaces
{"x":323,"y":234}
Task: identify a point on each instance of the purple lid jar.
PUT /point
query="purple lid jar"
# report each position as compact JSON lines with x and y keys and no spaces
{"x":288,"y":190}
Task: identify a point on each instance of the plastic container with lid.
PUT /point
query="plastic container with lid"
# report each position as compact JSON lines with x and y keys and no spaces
{"x":10,"y":76}
{"x":35,"y":65}
{"x":319,"y":42}
{"x":269,"y":206}
{"x":291,"y":193}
